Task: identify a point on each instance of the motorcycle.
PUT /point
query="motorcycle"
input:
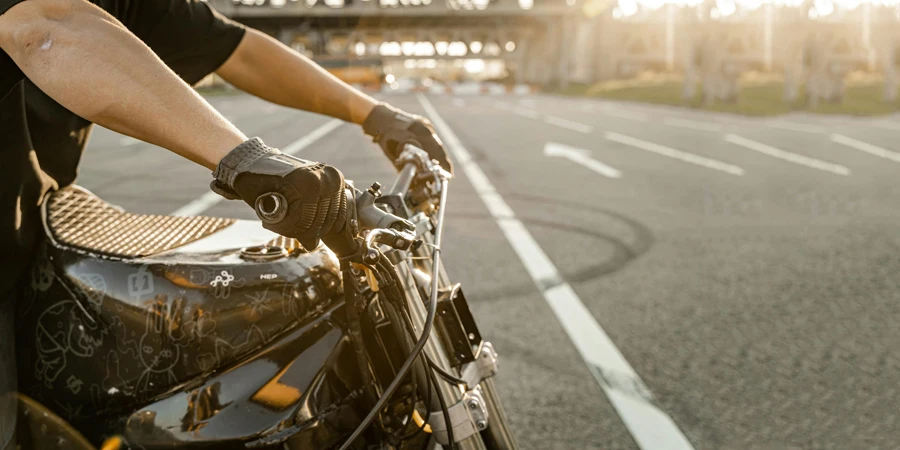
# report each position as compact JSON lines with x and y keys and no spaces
{"x":158,"y":332}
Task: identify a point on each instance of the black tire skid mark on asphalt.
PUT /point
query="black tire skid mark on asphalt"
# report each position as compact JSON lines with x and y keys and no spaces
{"x":623,"y":253}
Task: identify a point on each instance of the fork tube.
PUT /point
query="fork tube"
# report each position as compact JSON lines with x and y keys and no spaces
{"x":435,"y":350}
{"x":499,"y":432}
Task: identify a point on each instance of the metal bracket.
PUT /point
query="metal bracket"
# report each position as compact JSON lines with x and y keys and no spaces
{"x":484,"y":366}
{"x":456,"y":326}
{"x":467,"y":417}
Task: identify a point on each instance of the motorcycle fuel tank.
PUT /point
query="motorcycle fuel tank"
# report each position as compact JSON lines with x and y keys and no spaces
{"x":230,"y":338}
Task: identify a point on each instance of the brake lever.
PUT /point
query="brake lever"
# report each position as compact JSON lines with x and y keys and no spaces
{"x":371,"y":217}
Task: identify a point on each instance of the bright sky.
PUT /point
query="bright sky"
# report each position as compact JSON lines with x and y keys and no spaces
{"x":728,"y":7}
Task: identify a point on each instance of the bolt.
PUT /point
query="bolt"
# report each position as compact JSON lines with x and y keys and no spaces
{"x":375,"y":189}
{"x":481,"y":424}
{"x":371,"y":257}
{"x":473,"y":404}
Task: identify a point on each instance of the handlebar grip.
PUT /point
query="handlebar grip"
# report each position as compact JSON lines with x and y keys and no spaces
{"x":271,"y":207}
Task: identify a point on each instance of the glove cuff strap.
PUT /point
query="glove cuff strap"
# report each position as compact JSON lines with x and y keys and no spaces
{"x":382,"y":118}
{"x":240,"y":159}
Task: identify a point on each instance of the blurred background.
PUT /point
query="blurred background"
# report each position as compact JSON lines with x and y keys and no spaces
{"x":749,"y":56}
{"x":711,"y":184}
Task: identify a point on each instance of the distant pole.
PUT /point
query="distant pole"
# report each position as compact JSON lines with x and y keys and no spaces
{"x":769,"y":24}
{"x":670,"y":37}
{"x":867,"y":35}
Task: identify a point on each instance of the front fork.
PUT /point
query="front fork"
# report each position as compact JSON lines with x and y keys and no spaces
{"x":453,"y":395}
{"x":497,"y":434}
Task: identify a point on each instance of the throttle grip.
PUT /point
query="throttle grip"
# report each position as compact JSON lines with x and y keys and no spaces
{"x":361,"y":214}
{"x":271,"y":207}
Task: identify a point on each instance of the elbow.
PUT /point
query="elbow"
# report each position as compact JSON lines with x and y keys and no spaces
{"x":40,"y":25}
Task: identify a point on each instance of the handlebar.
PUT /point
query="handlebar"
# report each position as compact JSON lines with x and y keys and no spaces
{"x":402,"y":185}
{"x":363,"y":214}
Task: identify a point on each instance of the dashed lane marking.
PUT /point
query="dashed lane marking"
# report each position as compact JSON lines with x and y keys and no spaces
{"x":680,"y":155}
{"x":692,"y":124}
{"x":568,"y":124}
{"x":630,"y":115}
{"x":525,"y":112}
{"x":651,"y":428}
{"x":128,"y":141}
{"x":546,"y":118}
{"x":796,"y":126}
{"x":786,"y":155}
{"x":886,"y":125}
{"x":866,"y":147}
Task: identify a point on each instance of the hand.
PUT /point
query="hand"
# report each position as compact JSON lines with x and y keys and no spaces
{"x":313,"y":193}
{"x":392,"y":128}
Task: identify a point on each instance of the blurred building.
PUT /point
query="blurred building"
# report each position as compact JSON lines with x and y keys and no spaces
{"x":558,"y":42}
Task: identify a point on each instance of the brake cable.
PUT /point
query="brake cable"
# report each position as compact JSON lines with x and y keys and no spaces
{"x":426,"y":332}
{"x":430,"y":366}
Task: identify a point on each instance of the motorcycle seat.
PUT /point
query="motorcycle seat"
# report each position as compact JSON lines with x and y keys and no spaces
{"x":76,"y":218}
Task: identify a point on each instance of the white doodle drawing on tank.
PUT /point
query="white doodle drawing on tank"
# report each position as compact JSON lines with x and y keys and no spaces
{"x":63,"y":330}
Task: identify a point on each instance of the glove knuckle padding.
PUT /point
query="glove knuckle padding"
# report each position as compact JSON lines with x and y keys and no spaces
{"x":392,"y":128}
{"x":314,"y":192}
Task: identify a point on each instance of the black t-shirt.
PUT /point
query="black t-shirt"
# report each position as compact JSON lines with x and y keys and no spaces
{"x":41,"y":141}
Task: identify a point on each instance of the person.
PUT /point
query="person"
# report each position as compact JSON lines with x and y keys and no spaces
{"x":128,"y":66}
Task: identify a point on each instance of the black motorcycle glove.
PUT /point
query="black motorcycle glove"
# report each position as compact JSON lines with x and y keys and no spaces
{"x":293,"y":197}
{"x":392,"y":128}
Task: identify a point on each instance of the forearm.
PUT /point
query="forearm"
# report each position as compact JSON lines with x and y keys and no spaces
{"x":91,"y":64}
{"x":270,"y":70}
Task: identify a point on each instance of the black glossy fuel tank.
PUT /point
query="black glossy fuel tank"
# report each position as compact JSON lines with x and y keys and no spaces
{"x":146,"y":344}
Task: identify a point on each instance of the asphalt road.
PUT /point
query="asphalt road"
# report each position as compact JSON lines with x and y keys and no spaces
{"x":747,"y":269}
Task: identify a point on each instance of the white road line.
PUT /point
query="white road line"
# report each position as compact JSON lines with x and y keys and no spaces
{"x":886,"y":125}
{"x":128,"y":141}
{"x":529,"y":113}
{"x":548,"y":119}
{"x":314,"y":136}
{"x":794,"y":126}
{"x":210,"y":199}
{"x":692,"y":124}
{"x":651,"y":428}
{"x":580,"y":156}
{"x":787,"y":156}
{"x":630,"y":115}
{"x":866,"y":147}
{"x":568,"y":124}
{"x":675,"y":154}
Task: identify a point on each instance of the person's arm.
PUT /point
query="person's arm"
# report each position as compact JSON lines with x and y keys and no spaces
{"x":91,"y":64}
{"x":272,"y":71}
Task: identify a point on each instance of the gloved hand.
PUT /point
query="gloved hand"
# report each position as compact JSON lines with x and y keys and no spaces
{"x":392,"y":128}
{"x":313,"y":193}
